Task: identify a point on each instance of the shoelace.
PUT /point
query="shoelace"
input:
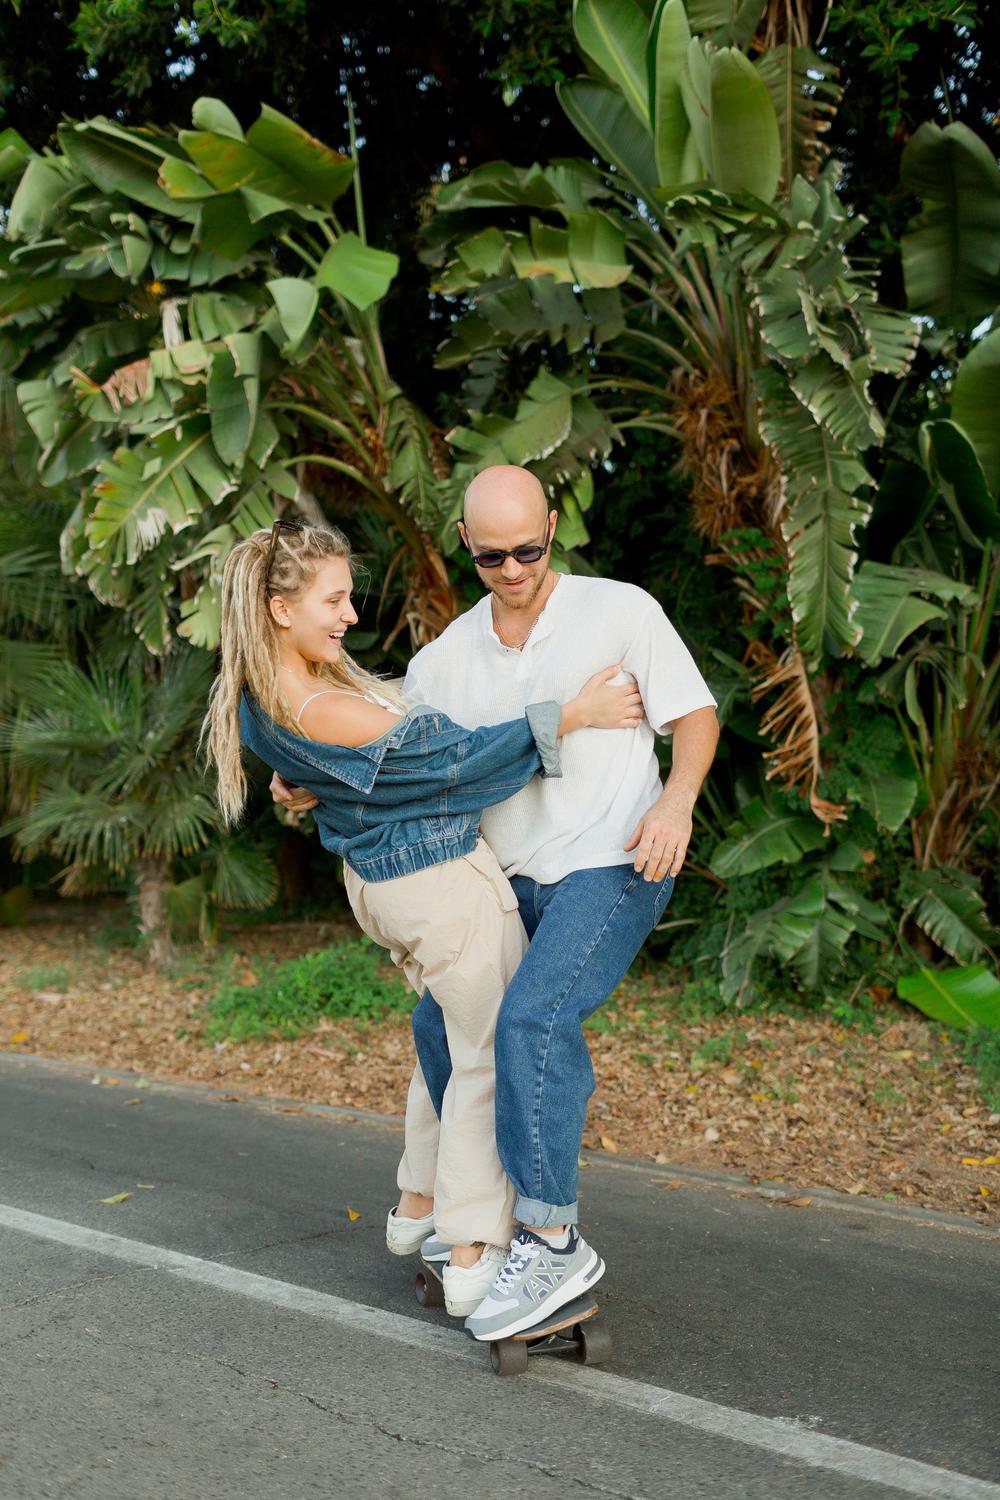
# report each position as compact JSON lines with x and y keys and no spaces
{"x":522,"y":1253}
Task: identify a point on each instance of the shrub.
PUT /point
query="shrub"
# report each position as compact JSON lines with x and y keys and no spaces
{"x":348,"y":981}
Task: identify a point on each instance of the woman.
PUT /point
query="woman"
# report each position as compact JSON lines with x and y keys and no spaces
{"x":400,"y":789}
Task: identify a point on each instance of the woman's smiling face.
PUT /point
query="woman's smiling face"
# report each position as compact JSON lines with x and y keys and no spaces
{"x":314,"y":623}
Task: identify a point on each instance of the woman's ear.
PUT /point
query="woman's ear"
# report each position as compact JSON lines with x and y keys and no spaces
{"x":279,"y":611}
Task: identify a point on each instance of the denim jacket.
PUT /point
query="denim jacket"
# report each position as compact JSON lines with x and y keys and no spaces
{"x":413,"y":797}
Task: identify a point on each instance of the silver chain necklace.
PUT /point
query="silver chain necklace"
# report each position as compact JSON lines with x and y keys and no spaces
{"x":496,"y":623}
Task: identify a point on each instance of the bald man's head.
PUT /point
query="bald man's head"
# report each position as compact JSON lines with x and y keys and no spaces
{"x":506,"y":508}
{"x":507,"y":497}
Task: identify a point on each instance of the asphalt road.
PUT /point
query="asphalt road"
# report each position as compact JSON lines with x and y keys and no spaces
{"x":231,"y":1331}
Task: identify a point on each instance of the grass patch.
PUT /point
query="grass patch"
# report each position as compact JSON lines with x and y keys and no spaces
{"x":46,"y":977}
{"x":348,"y":982}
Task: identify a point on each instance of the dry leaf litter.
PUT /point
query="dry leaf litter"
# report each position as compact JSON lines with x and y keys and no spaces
{"x":802,"y":1099}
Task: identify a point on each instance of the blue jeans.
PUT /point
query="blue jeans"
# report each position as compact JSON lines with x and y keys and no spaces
{"x":584,"y":932}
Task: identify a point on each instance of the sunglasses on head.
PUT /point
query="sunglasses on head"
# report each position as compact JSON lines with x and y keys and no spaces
{"x":493,"y":557}
{"x":276,"y":530}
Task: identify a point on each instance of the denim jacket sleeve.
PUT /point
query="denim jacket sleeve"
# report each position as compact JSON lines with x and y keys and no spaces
{"x":521,"y":748}
{"x":428,"y":764}
{"x":472,"y":768}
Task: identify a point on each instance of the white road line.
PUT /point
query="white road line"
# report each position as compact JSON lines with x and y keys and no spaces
{"x":772,"y":1434}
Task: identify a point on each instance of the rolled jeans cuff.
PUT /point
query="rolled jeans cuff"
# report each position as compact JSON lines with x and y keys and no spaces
{"x":543,"y":721}
{"x":539,"y":1215}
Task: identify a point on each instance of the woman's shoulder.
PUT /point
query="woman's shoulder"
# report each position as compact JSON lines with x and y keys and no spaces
{"x":345,"y":718}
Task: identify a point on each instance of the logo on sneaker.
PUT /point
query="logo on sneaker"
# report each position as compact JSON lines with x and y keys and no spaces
{"x":539,"y":1283}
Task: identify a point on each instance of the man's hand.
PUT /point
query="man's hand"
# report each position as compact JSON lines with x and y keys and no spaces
{"x":662,"y":837}
{"x":294,"y":798}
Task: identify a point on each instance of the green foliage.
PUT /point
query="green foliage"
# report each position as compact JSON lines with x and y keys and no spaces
{"x":718,"y":284}
{"x":965,"y":998}
{"x":348,"y":982}
{"x":45,"y":977}
{"x":890,"y":38}
{"x":186,"y":307}
{"x":951,"y":259}
{"x":982,"y":1052}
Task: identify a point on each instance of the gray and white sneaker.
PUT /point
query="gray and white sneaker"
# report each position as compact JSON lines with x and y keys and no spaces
{"x":435,"y":1250}
{"x":537,"y":1278}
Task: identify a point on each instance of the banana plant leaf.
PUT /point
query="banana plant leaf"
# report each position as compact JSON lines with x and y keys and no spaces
{"x":544,"y":252}
{"x":948,"y":906}
{"x":359,"y":272}
{"x":745,"y":145}
{"x":602,"y":117}
{"x":975,"y":402}
{"x":597,"y":250}
{"x":888,"y":798}
{"x":951,"y":250}
{"x":960,"y":997}
{"x":952,"y":461}
{"x":14,"y":153}
{"x":144,"y":490}
{"x":763,"y":837}
{"x":121,"y":161}
{"x":233,"y":395}
{"x":808,"y":930}
{"x":890,"y":606}
{"x":296,"y":301}
{"x":669,"y":39}
{"x":613,"y":34}
{"x":543,"y":421}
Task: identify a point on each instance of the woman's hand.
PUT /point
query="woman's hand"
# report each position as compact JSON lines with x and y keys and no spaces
{"x":598,"y":705}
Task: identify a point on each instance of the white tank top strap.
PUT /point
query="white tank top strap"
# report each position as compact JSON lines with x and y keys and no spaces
{"x":372,"y":697}
{"x":323,"y":693}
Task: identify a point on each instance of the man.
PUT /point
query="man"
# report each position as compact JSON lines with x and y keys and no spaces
{"x":592,"y":857}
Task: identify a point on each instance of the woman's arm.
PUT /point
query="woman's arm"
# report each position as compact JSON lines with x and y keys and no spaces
{"x":508,"y":754}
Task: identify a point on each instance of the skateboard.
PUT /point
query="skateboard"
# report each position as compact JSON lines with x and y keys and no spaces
{"x":569,"y":1332}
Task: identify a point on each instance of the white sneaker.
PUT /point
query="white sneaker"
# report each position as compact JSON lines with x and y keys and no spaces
{"x":405,"y":1236}
{"x":465,"y":1288}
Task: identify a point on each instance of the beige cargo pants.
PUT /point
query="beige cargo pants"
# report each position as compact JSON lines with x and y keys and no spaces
{"x":453,"y":929}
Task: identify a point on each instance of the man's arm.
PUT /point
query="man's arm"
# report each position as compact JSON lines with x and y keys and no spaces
{"x":661,"y":839}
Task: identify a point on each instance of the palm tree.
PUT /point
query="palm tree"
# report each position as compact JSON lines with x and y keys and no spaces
{"x":110,"y":784}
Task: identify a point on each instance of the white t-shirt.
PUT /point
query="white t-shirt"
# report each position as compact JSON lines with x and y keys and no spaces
{"x":610,"y":777}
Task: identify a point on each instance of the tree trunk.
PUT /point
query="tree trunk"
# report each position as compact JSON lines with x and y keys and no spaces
{"x":152,"y":879}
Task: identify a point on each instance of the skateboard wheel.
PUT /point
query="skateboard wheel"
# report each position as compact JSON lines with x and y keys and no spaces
{"x":509,"y":1357}
{"x":428,"y":1292}
{"x":595,"y":1342}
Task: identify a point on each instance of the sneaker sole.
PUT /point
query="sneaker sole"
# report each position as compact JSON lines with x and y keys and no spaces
{"x":395,"y":1248}
{"x":576,"y":1286}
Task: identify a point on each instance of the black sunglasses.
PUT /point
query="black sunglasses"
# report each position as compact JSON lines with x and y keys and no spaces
{"x":276,"y":530}
{"x":494,"y":558}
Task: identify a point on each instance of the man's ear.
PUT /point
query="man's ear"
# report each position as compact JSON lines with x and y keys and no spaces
{"x":553,"y":523}
{"x":463,"y":533}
